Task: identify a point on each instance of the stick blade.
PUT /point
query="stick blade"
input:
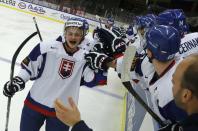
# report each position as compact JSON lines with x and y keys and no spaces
{"x":129,"y":55}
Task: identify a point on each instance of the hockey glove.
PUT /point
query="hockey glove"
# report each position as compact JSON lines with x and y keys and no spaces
{"x":118,"y":46}
{"x":112,"y":44}
{"x":172,"y":127}
{"x":17,"y":85}
{"x":97,"y":60}
{"x":98,"y":47}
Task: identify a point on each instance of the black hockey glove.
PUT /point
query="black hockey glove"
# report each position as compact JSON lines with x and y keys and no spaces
{"x":118,"y":46}
{"x":98,"y":47}
{"x":172,"y":127}
{"x":112,"y":44}
{"x":17,"y":85}
{"x":97,"y":60}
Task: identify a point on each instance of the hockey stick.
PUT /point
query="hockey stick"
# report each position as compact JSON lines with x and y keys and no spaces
{"x":125,"y":77}
{"x":36,"y":25}
{"x":12,"y":73}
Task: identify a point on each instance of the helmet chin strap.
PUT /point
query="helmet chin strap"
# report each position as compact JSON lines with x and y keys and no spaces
{"x":150,"y":59}
{"x":82,"y":37}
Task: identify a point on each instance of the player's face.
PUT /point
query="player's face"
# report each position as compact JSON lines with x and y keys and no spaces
{"x":141,"y":31}
{"x":148,"y":53}
{"x":179,"y":92}
{"x":109,"y":25}
{"x":73,"y":36}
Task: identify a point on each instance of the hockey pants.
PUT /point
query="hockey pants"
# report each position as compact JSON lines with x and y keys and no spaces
{"x":32,"y":121}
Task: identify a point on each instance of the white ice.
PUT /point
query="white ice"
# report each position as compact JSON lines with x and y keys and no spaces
{"x":100,"y":107}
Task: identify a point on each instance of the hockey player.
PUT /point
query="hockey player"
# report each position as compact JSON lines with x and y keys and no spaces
{"x":162,"y":44}
{"x":87,"y":43}
{"x":142,"y":71}
{"x":57,"y":67}
{"x":142,"y":25}
{"x":106,"y":38}
{"x":130,"y":35}
{"x":109,"y":23}
{"x":185,"y":92}
{"x":177,"y":19}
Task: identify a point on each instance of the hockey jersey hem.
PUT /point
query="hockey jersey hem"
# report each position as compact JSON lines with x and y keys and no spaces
{"x":32,"y":104}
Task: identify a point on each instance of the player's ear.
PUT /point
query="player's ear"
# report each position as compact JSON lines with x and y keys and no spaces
{"x":186,"y":95}
{"x":149,"y":53}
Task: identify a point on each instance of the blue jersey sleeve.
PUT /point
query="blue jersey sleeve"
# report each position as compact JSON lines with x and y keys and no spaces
{"x":81,"y":126}
{"x":33,"y":65}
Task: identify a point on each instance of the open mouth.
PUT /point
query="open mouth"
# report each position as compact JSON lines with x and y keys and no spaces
{"x":73,"y":42}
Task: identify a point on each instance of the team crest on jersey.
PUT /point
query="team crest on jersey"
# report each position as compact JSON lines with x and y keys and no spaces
{"x":66,"y":68}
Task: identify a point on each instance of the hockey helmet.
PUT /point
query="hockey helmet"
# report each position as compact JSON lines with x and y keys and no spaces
{"x":76,"y":22}
{"x":163,"y":42}
{"x":110,"y":20}
{"x":86,"y":25}
{"x":173,"y":17}
{"x":130,"y":33}
{"x":145,"y":22}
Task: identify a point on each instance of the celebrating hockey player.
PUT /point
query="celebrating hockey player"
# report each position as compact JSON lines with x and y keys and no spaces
{"x":163,"y":43}
{"x":131,"y":35}
{"x":57,"y":68}
{"x":142,"y":71}
{"x":107,"y":41}
{"x":109,"y":23}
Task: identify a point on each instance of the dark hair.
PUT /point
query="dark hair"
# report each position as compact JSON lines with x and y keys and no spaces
{"x":190,"y":76}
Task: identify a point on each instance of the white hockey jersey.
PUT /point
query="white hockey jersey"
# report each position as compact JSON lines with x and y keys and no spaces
{"x":88,"y":42}
{"x":57,"y":74}
{"x":189,"y":45}
{"x":162,"y":96}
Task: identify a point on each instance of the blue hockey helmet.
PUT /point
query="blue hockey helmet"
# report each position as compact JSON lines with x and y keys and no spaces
{"x":130,"y":32}
{"x":152,"y":16}
{"x":163,"y":41}
{"x":173,"y":17}
{"x":86,"y":25}
{"x":181,"y":20}
{"x":110,"y":20}
{"x":143,"y":22}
